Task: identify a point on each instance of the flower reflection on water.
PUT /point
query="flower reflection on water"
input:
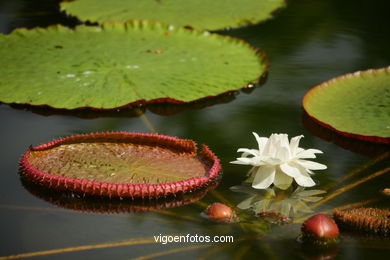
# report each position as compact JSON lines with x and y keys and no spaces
{"x":280,"y":205}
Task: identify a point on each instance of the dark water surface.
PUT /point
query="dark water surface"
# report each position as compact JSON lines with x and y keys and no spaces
{"x":307,"y":43}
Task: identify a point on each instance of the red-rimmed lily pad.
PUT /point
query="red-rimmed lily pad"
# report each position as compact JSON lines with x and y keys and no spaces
{"x":355,"y":145}
{"x":121,"y":164}
{"x":354,"y":105}
{"x":116,"y":65}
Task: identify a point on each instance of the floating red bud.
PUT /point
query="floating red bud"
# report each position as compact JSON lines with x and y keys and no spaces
{"x":386,"y":191}
{"x":220,"y":212}
{"x":319,"y":229}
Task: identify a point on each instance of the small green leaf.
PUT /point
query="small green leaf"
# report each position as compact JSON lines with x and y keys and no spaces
{"x":355,"y":105}
{"x":201,"y":14}
{"x":116,"y":64}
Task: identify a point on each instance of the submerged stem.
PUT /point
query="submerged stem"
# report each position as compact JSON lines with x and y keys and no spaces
{"x":360,"y":169}
{"x":172,"y":251}
{"x":349,"y":186}
{"x":351,"y":205}
{"x":138,"y":241}
{"x":176,"y":215}
{"x":343,"y":207}
{"x":146,"y":121}
{"x":214,"y":250}
{"x":241,"y":252}
{"x":218,"y":196}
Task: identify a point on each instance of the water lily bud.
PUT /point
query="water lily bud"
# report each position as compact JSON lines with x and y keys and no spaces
{"x":386,"y":191}
{"x":320,"y":229}
{"x":220,"y":212}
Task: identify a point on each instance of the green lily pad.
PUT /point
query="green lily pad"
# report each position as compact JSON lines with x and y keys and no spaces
{"x":200,"y":14}
{"x":355,"y":105}
{"x":116,"y":64}
{"x":121,"y":165}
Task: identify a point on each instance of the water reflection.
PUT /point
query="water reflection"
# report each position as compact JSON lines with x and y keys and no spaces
{"x":30,"y":14}
{"x":276,"y":107}
{"x":135,"y":109}
{"x":275,"y":205}
{"x":355,"y":145}
{"x":73,"y":201}
{"x":324,"y":253}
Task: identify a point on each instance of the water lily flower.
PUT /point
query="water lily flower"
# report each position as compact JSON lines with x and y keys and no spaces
{"x":279,"y":162}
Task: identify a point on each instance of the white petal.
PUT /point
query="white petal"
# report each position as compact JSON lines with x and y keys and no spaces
{"x":304,"y":179}
{"x":282,"y":181}
{"x":247,"y":152}
{"x":251,"y":172}
{"x":284,"y":140}
{"x":271,"y":146}
{"x":271,"y":161}
{"x":309,"y":153}
{"x":261,"y":141}
{"x":290,"y":170}
{"x":249,"y":161}
{"x":311,"y":165}
{"x":264,"y":177}
{"x":309,"y":172}
{"x":238,"y":162}
{"x":243,"y":160}
{"x":315,"y":150}
{"x":294,"y":143}
{"x":283,"y":153}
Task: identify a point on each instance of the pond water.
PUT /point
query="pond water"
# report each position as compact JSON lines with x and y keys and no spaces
{"x":307,"y":43}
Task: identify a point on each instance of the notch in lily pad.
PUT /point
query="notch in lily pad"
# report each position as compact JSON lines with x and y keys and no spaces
{"x":121,"y":164}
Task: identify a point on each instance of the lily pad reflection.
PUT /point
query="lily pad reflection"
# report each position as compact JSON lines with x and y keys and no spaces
{"x":74,"y":201}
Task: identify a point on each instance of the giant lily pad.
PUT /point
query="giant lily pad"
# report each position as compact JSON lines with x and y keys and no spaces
{"x":120,"y":165}
{"x":118,"y":64}
{"x":355,"y":145}
{"x":355,"y":105}
{"x":201,"y":14}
